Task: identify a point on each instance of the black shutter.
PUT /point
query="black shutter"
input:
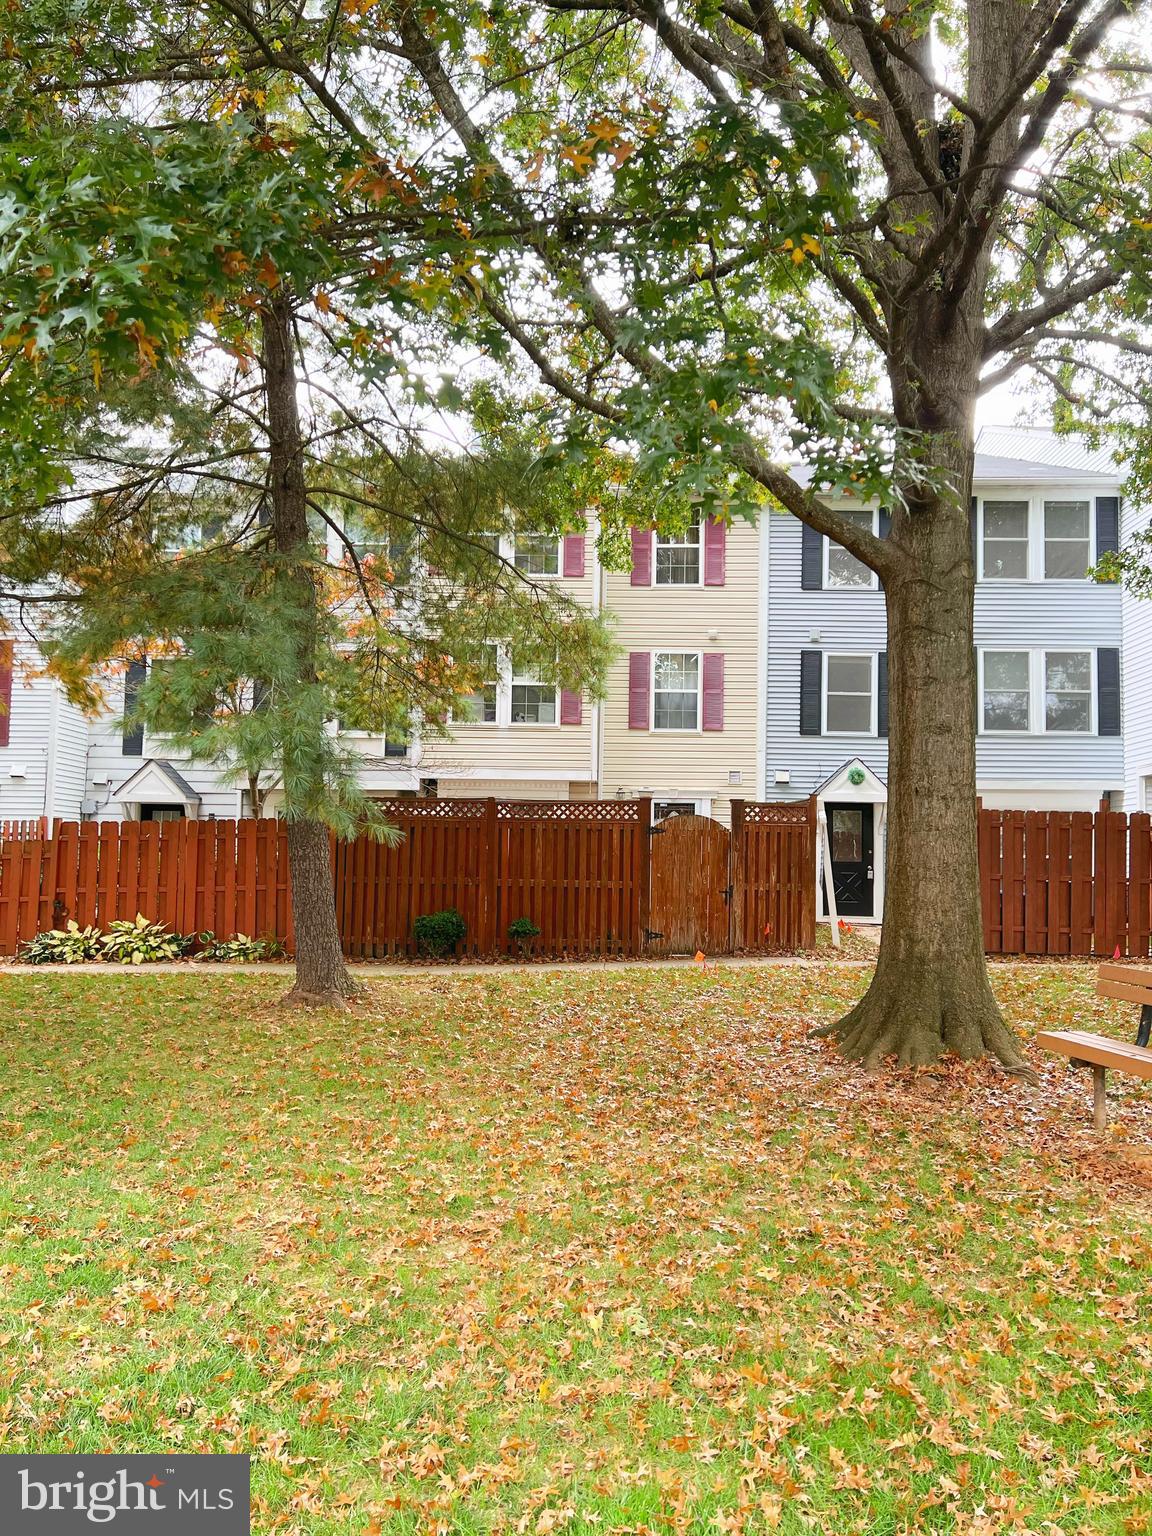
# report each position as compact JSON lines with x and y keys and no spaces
{"x":1108,"y":691}
{"x":811,"y":559}
{"x":975,"y":539}
{"x":132,"y":737}
{"x":1107,"y":525}
{"x":811,"y":670}
{"x":882,"y":694}
{"x":885,"y":522}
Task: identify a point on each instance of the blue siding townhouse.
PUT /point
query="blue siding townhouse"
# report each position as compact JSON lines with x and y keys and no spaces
{"x":1048,"y":642}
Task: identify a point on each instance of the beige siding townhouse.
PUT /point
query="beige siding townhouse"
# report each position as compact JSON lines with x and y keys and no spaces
{"x":683,"y":716}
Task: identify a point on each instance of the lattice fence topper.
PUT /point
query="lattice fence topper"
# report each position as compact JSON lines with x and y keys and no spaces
{"x":788,"y":813}
{"x":568,"y":810}
{"x":435,"y":809}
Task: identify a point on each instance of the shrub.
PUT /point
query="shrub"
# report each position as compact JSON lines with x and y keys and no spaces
{"x":438,"y":933}
{"x":63,"y":946}
{"x":240,"y":950}
{"x":137,"y":942}
{"x":522,"y":931}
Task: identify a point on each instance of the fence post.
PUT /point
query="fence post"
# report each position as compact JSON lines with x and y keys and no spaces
{"x":736,"y":879}
{"x":643,"y":871}
{"x":490,"y":878}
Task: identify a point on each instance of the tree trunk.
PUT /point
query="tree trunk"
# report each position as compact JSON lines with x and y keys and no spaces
{"x":930,"y":991}
{"x":322,"y":978}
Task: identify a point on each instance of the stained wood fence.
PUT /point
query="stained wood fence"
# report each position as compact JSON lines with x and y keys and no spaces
{"x":1066,"y":882}
{"x":579,"y":870}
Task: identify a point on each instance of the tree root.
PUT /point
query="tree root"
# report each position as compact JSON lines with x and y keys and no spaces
{"x":919,"y":1024}
{"x":337,"y":996}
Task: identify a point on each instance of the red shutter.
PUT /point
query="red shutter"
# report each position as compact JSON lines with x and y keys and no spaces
{"x":571,"y":707}
{"x":712,"y":711}
{"x":641,"y":557}
{"x":574,"y":555}
{"x":5,"y":691}
{"x":715,"y":542}
{"x":639,"y":682}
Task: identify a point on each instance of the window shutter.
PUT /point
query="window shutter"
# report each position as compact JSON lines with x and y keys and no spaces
{"x":571,"y":707}
{"x":574,"y":555}
{"x":1107,"y":525}
{"x":811,"y":675}
{"x":712,"y":701}
{"x":1108,"y":691}
{"x":641,"y":557}
{"x":132,"y":737}
{"x":6,"y":653}
{"x":885,"y":522}
{"x":882,"y":694}
{"x":975,"y":538}
{"x":811,"y":559}
{"x":639,"y":687}
{"x":715,"y":551}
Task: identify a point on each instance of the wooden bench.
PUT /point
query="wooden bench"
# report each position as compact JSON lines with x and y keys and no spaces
{"x":1132,"y":984}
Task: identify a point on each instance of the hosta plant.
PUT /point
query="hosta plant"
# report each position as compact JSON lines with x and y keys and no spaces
{"x":63,"y":946}
{"x":137,"y":941}
{"x":240,"y":950}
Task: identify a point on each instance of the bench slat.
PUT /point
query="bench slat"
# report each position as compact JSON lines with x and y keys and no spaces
{"x":1122,"y":989}
{"x":1137,"y":975}
{"x":1098,"y":1049}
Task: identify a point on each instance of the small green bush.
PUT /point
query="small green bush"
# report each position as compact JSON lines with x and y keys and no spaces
{"x":240,"y":950}
{"x":438,"y":933}
{"x":139,"y":942}
{"x":63,"y":946}
{"x":522,"y":931}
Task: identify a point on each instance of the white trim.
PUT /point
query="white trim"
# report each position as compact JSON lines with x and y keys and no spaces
{"x":764,"y":572}
{"x":1037,"y":689}
{"x":873,"y":527}
{"x":508,"y":549}
{"x":1035,"y":499}
{"x":871,"y":658}
{"x":679,"y":543}
{"x":504,"y":721}
{"x":676,"y":730}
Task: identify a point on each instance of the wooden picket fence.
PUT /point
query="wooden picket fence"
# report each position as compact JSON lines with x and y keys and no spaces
{"x":1066,"y":882}
{"x":24,"y":828}
{"x":580,"y":871}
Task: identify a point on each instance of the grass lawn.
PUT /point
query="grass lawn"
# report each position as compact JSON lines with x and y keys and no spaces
{"x":584,"y":1252}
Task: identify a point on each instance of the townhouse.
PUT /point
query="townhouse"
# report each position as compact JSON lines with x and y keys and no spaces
{"x":751,"y":665}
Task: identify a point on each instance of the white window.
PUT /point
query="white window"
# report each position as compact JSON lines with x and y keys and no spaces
{"x":533,"y":702}
{"x":1041,"y":691}
{"x":678,"y":558}
{"x":363,"y":539}
{"x":536,"y":554}
{"x":1007,"y":691}
{"x":480,"y":706}
{"x":842,"y":569}
{"x":1068,"y":691}
{"x":663,"y":809}
{"x":676,"y":691}
{"x":849,"y":695}
{"x":1067,"y":540}
{"x":1005,"y":541}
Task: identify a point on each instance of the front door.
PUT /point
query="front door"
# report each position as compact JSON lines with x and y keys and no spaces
{"x":850,"y":843}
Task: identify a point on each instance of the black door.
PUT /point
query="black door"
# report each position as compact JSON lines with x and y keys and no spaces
{"x":851,"y":844}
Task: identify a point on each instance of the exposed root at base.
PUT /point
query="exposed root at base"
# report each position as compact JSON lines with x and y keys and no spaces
{"x":335,"y":997}
{"x":918,"y":1034}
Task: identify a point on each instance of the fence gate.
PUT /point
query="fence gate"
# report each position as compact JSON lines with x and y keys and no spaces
{"x":691,"y":898}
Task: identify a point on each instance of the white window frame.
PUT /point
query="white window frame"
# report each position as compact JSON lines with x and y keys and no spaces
{"x":873,"y":580}
{"x":667,"y":542}
{"x":526,"y":725}
{"x":677,"y":730}
{"x":528,"y":533}
{"x":868,"y":656}
{"x":699,"y":807}
{"x":1037,"y":714}
{"x":1035,"y":564}
{"x":504,"y":720}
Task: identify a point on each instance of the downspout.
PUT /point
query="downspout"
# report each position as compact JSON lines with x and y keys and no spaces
{"x":599,"y":598}
{"x":50,"y":754}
